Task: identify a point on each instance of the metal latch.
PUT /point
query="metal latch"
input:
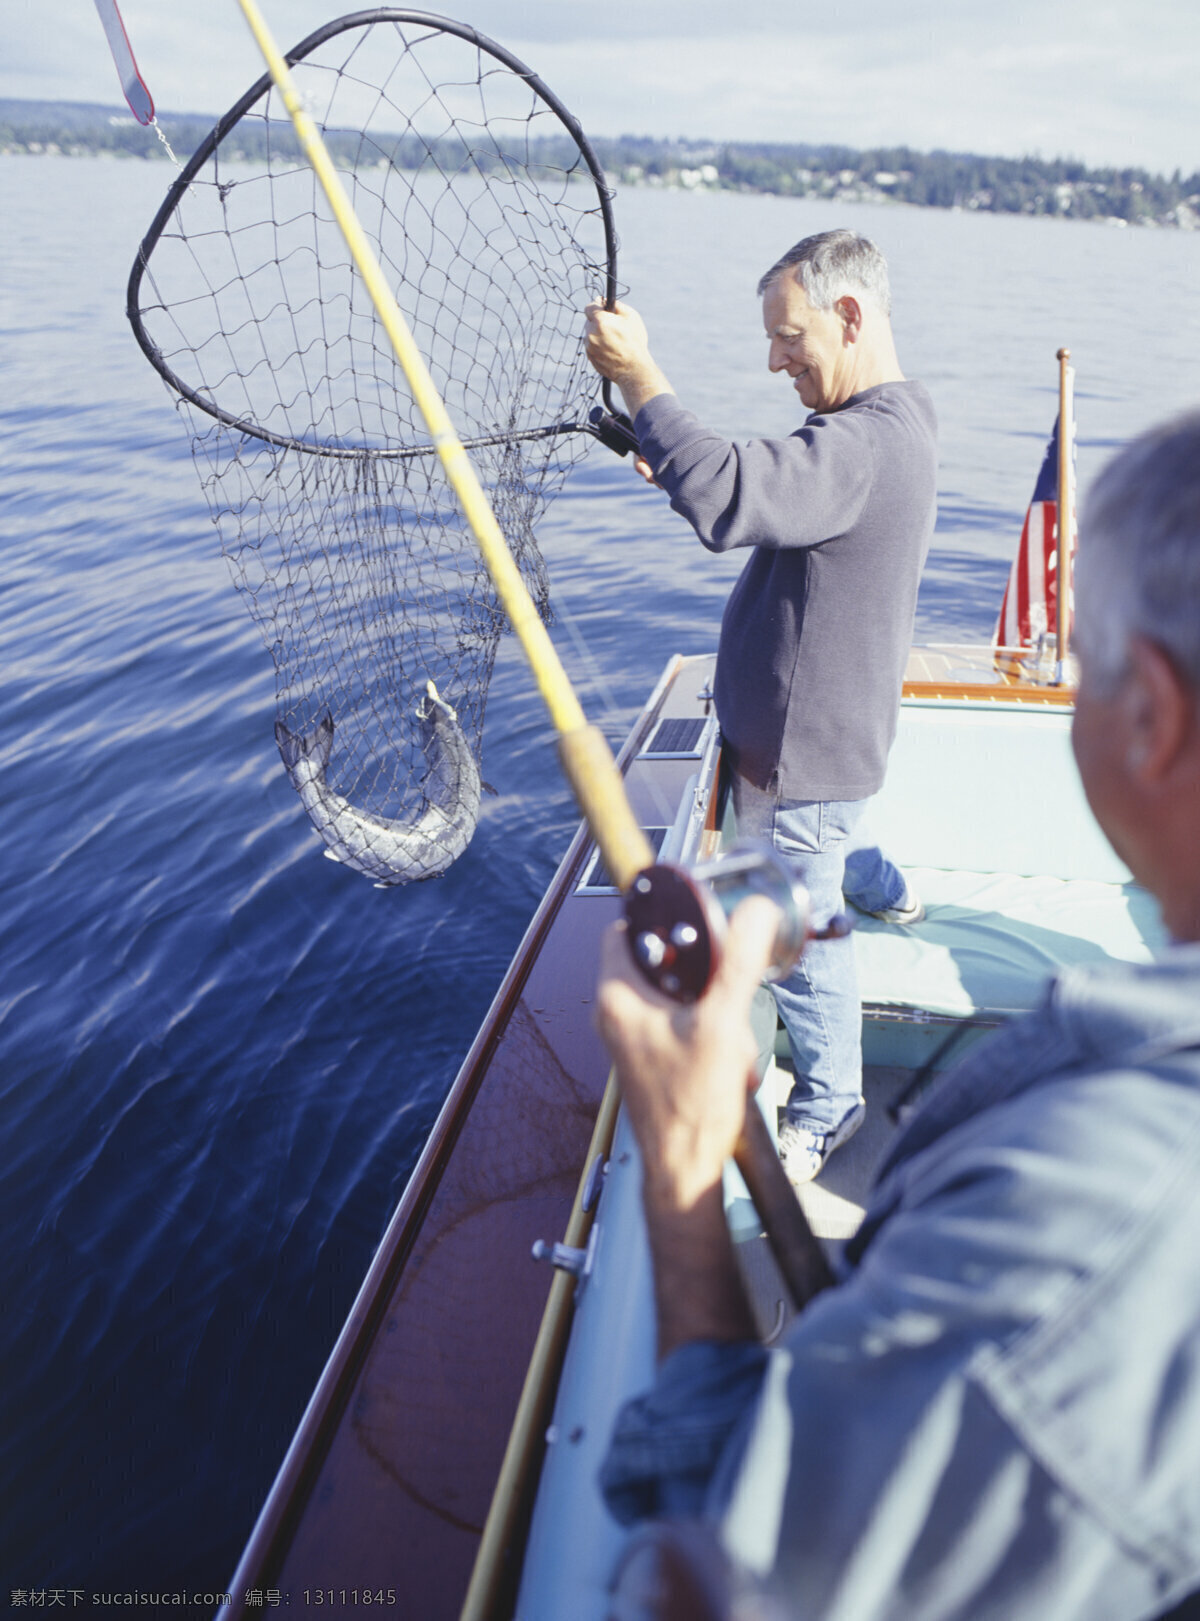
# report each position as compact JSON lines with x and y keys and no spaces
{"x":567,"y":1258}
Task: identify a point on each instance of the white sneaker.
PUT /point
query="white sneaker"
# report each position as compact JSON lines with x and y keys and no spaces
{"x":911,"y":912}
{"x":804,"y":1149}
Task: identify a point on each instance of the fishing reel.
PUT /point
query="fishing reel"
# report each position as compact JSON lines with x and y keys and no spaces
{"x":614,"y":429}
{"x":677,"y":917}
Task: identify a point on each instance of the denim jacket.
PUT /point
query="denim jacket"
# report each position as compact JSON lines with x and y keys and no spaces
{"x":997,"y":1411}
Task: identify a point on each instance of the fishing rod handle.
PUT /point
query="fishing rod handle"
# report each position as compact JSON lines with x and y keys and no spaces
{"x":797,"y":1252}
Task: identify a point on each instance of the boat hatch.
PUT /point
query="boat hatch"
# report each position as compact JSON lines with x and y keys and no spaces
{"x":596,"y":879}
{"x":676,"y":738}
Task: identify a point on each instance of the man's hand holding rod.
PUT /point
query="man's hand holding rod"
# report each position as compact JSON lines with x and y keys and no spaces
{"x":687,"y":1079}
{"x":618,"y":347}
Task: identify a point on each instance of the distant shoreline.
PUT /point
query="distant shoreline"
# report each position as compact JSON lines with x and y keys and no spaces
{"x":1057,"y":188}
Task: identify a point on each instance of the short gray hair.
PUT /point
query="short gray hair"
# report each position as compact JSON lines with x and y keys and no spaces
{"x":832,"y":264}
{"x":1139,"y":553}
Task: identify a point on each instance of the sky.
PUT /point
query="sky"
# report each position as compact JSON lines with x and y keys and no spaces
{"x":1106,"y":83}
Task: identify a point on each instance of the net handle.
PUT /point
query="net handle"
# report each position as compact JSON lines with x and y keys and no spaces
{"x":261,"y":87}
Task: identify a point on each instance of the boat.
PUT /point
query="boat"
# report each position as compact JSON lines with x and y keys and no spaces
{"x":446,"y":1464}
{"x":388,"y":1482}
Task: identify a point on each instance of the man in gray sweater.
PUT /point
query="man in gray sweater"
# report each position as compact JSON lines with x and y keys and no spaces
{"x":816,"y":633}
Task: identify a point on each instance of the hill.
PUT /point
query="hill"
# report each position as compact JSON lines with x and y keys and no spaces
{"x":1059,"y":187}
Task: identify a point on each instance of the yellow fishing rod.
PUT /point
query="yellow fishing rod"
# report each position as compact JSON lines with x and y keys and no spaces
{"x":589,"y":766}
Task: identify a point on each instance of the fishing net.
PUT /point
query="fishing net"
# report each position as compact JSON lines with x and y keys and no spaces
{"x":490,"y":219}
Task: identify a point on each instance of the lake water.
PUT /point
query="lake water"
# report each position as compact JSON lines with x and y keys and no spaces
{"x":219,"y":1055}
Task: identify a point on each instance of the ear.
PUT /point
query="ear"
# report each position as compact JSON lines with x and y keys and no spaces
{"x":1160,"y":712}
{"x":850,"y":311}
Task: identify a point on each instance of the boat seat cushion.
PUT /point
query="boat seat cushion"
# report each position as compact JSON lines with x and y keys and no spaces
{"x":990,"y":941}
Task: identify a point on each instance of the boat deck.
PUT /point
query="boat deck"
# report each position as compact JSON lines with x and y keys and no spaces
{"x":987,"y":674}
{"x":835,"y":1202}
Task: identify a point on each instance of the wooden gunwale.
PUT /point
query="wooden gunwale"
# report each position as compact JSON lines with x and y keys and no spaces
{"x":980,"y":674}
{"x":1009,"y":694}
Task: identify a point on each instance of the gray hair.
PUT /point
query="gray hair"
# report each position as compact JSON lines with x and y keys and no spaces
{"x":832,"y":264}
{"x":1139,"y":553}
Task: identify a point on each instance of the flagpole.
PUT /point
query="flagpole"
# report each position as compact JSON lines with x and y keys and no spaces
{"x":1066,"y":440}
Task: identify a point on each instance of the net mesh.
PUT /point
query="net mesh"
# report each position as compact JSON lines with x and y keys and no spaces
{"x":341,"y":533}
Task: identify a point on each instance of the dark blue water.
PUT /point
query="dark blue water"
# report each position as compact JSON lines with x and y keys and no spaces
{"x":219,"y":1054}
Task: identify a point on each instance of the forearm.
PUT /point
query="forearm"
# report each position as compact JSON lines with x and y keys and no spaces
{"x":639,"y":387}
{"x":698,"y":1291}
{"x":773,"y":493}
{"x":686,"y":1075}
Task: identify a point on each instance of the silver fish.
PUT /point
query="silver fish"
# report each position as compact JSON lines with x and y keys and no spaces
{"x":392,"y":852}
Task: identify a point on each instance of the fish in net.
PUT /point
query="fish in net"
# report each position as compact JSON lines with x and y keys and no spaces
{"x":491,"y":220}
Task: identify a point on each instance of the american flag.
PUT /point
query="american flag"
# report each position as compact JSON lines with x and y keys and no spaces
{"x":1029,"y":611}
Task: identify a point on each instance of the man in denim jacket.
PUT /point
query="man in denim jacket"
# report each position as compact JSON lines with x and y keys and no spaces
{"x":996,"y":1412}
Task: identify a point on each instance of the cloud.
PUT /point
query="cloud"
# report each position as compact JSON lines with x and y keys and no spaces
{"x":1107,"y":83}
{"x":1008,"y":100}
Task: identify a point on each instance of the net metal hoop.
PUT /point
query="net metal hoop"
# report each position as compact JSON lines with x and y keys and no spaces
{"x":262,"y":88}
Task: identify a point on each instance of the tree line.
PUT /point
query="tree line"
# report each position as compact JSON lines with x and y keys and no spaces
{"x":1030,"y":185}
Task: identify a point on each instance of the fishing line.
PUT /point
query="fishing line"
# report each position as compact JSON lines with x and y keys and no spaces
{"x":612,"y":711}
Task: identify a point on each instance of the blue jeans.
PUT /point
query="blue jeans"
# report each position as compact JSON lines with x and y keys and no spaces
{"x":825,"y":844}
